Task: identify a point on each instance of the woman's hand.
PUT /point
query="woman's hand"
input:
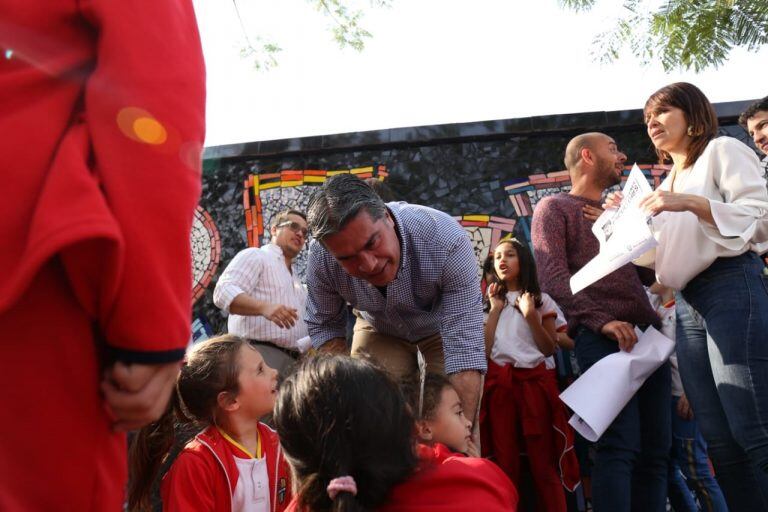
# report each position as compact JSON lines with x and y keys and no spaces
{"x":662,"y":201}
{"x":496,"y":299}
{"x":527,"y":304}
{"x":613,"y":200}
{"x":591,"y":212}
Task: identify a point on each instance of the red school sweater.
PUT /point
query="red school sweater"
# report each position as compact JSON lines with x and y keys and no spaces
{"x":102,"y":123}
{"x":205,"y":474}
{"x":449,"y":482}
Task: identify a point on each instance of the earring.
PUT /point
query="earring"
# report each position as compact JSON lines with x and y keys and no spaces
{"x":690,"y":130}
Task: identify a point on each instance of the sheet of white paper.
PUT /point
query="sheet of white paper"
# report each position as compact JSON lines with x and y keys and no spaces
{"x":623,"y":234}
{"x":599,"y":395}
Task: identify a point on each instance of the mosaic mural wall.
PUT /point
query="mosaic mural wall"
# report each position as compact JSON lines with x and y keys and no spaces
{"x":490,"y":186}
{"x":265,"y":195}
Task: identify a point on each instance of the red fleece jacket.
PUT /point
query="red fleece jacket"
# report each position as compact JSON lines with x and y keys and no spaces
{"x":102,"y":116}
{"x":446,"y":482}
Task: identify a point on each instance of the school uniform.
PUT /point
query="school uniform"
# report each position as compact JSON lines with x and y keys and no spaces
{"x":213,"y":474}
{"x":521,"y":411}
{"x":446,"y":481}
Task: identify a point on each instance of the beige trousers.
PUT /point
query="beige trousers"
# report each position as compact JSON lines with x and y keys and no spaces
{"x":396,"y":355}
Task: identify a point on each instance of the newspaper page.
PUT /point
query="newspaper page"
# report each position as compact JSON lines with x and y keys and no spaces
{"x":624,"y":234}
{"x":599,"y":395}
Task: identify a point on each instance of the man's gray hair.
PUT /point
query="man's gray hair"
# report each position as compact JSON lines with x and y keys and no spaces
{"x":338,"y":201}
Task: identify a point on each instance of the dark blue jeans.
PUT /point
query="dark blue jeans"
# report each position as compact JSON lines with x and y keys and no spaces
{"x":722,"y":349}
{"x":689,"y":469}
{"x":632,"y":456}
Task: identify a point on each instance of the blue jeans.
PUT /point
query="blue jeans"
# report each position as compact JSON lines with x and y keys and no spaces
{"x":689,"y":469}
{"x":722,"y":349}
{"x":632,"y":456}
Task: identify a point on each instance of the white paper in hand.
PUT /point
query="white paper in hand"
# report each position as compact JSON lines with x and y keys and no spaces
{"x":623,"y":234}
{"x":599,"y":395}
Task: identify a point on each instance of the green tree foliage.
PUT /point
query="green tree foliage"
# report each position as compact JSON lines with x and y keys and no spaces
{"x":681,"y":34}
{"x":345,"y":27}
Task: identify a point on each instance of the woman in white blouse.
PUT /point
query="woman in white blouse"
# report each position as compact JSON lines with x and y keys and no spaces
{"x":711,"y":222}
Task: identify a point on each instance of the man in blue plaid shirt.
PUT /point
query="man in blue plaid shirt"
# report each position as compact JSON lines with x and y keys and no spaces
{"x":409,"y":271}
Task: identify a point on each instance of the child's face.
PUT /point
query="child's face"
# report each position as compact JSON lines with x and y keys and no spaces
{"x":449,"y":425}
{"x":258,"y":384}
{"x":505,"y":262}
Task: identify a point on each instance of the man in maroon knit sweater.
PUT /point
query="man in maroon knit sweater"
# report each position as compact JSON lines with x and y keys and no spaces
{"x":630,"y":470}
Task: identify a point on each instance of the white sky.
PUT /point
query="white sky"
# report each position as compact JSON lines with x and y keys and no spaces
{"x":429,"y":62}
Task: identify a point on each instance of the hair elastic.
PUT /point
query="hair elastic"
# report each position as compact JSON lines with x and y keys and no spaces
{"x":341,"y":484}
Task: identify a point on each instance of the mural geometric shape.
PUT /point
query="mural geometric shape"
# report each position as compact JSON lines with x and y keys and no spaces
{"x":206,"y":251}
{"x":266,"y":195}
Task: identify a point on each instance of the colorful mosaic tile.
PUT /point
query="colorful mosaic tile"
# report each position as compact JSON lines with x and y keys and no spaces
{"x":267,"y":194}
{"x":206,"y":252}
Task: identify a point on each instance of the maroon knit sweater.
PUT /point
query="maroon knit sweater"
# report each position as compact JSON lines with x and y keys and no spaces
{"x":563,"y":242}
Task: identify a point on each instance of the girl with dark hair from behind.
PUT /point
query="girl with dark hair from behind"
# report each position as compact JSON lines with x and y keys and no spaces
{"x":347,"y":433}
{"x":235,"y":463}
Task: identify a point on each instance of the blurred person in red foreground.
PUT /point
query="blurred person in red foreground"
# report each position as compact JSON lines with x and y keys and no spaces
{"x":101,"y":126}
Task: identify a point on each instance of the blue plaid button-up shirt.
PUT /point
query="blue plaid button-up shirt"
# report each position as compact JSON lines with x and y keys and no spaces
{"x":436,"y":289}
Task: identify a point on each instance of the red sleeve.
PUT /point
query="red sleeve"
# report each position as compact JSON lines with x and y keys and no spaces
{"x":188,"y":486}
{"x":549,"y":234}
{"x":144,"y":109}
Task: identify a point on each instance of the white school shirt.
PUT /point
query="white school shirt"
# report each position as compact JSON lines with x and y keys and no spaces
{"x":262,"y":274}
{"x":729,"y":175}
{"x":252,"y":490}
{"x":513,"y":341}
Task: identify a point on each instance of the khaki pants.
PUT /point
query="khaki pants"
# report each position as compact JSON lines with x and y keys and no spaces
{"x":396,"y":355}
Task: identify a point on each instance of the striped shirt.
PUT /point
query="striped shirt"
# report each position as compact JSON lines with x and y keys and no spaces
{"x":262,"y":274}
{"x":437,"y":289}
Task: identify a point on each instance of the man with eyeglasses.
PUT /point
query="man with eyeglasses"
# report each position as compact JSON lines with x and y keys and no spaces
{"x":263,"y":296}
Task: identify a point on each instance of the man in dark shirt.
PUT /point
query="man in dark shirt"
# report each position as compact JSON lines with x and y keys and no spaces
{"x":630,"y":470}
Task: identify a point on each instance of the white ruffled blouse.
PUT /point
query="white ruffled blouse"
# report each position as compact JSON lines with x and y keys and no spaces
{"x":729,"y":175}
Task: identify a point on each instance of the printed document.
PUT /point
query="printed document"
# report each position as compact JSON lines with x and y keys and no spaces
{"x":624,"y":234}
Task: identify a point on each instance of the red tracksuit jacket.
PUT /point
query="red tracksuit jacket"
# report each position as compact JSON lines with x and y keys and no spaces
{"x":87,"y":88}
{"x":102,"y":106}
{"x":449,"y":482}
{"x":205,"y":474}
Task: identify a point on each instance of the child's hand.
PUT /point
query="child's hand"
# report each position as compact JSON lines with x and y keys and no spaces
{"x":494,"y":297}
{"x":472,"y":450}
{"x":527,"y":304}
{"x":137,"y":394}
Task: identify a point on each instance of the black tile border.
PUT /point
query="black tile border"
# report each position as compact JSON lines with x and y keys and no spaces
{"x":616,"y":120}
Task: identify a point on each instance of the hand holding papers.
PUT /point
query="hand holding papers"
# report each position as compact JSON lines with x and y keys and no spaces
{"x":599,"y":395}
{"x":623,"y":233}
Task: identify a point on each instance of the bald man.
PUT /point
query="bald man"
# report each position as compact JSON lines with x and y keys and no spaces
{"x":631,"y":458}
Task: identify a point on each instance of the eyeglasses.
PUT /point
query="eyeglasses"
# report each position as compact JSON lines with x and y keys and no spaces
{"x":295,"y":227}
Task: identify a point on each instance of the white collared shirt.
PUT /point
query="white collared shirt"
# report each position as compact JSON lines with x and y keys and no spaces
{"x":252,"y":490}
{"x":729,"y":175}
{"x":262,"y":274}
